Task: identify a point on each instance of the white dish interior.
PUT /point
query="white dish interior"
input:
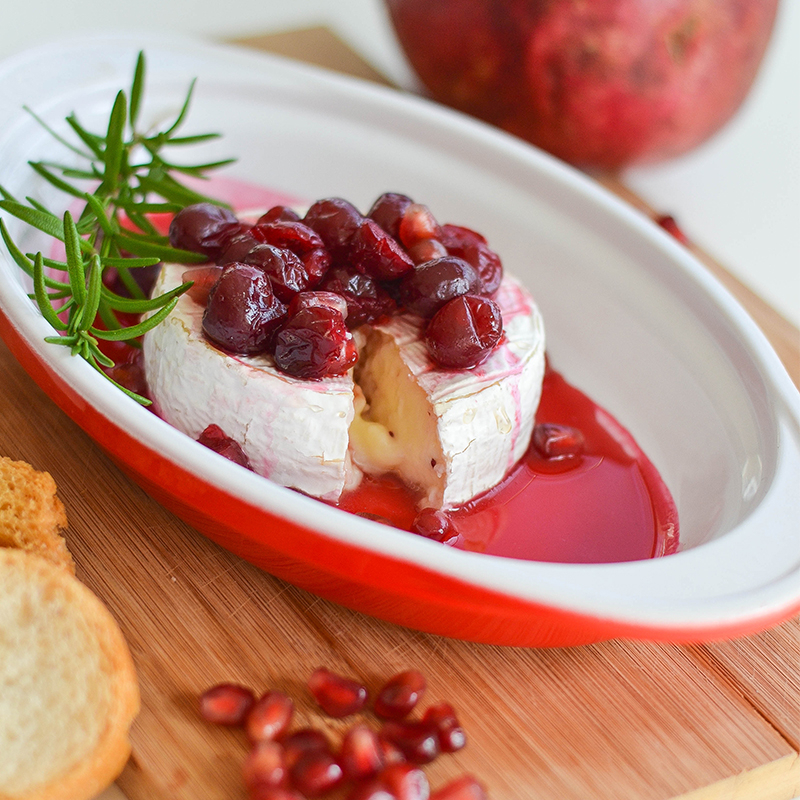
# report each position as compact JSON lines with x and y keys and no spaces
{"x":631,"y":317}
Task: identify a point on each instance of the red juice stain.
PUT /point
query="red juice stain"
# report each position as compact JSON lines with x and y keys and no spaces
{"x":609,"y":505}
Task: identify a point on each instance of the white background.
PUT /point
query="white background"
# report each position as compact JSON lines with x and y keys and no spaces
{"x":738,"y":196}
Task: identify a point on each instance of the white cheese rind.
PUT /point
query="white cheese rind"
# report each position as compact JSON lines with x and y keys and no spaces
{"x":294,"y":432}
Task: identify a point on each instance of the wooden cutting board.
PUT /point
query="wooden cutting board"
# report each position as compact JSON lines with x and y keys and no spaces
{"x":613,"y":721}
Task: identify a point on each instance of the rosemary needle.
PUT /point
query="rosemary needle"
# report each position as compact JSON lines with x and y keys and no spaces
{"x":112,"y":231}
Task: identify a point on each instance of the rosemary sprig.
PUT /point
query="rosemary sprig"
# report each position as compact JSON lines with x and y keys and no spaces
{"x":132,"y":179}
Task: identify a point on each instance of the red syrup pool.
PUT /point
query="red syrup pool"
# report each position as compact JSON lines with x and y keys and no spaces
{"x":610,"y":505}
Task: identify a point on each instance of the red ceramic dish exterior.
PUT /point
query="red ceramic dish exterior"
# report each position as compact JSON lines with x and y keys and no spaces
{"x":369,"y":582}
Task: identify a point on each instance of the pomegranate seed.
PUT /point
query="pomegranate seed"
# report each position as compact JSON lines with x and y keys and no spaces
{"x":391,"y":753}
{"x":464,"y":788}
{"x":451,"y":735}
{"x":436,"y":525}
{"x":226,"y":704}
{"x":242,"y":310}
{"x":374,"y":252}
{"x":314,"y":344}
{"x":269,"y":717}
{"x":305,"y":740}
{"x":417,"y":740}
{"x":406,"y":782}
{"x":366,"y":300}
{"x":417,"y":223}
{"x":557,"y":442}
{"x":336,"y":695}
{"x":425,"y":290}
{"x":264,"y":792}
{"x":427,"y":250}
{"x":279,"y":214}
{"x":309,"y":299}
{"x":287,"y":274}
{"x":214,"y":438}
{"x":388,"y":210}
{"x":202,"y":228}
{"x":264,"y":765}
{"x":203,"y":280}
{"x":370,"y":790}
{"x":315,"y":773}
{"x":464,"y":331}
{"x":400,"y":694}
{"x":361,"y":755}
{"x":670,"y":224}
{"x":335,"y":221}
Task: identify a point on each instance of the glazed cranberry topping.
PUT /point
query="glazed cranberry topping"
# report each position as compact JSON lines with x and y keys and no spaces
{"x":337,"y":696}
{"x":237,"y":247}
{"x":367,"y":300}
{"x":388,"y":210}
{"x":214,"y":438}
{"x":327,"y":299}
{"x":335,"y":220}
{"x":203,"y":280}
{"x":203,"y":228}
{"x":400,"y":694}
{"x":425,"y":290}
{"x":286,"y":272}
{"x":427,"y":250}
{"x":464,"y":331}
{"x":417,"y":224}
{"x":314,"y":344}
{"x":292,"y":235}
{"x":472,"y":247}
{"x":242,"y":310}
{"x":376,"y":253}
{"x":279,"y":214}
{"x":226,"y":704}
{"x":435,"y":524}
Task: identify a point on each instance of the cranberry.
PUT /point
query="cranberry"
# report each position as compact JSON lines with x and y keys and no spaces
{"x":237,"y":247}
{"x":472,"y":247}
{"x":400,"y":694}
{"x":464,"y":788}
{"x":308,"y":299}
{"x":214,"y":438}
{"x":427,"y":250}
{"x":203,"y":280}
{"x":315,"y":773}
{"x":269,"y":717}
{"x":335,"y":220}
{"x":425,"y":290}
{"x":317,"y":262}
{"x":376,"y":253}
{"x":226,"y":704}
{"x":286,"y":272}
{"x":202,"y":228}
{"x":300,"y":742}
{"x":315,"y":344}
{"x":417,"y":223}
{"x":294,"y":236}
{"x":336,"y":695}
{"x":242,"y":310}
{"x":129,"y":373}
{"x":143,"y":277}
{"x":406,"y":782}
{"x":279,"y":214}
{"x":557,"y":442}
{"x":464,"y":331}
{"x":367,"y":300}
{"x":416,"y":740}
{"x":451,"y":735}
{"x":361,"y":755}
{"x":435,"y":524}
{"x":388,"y":210}
{"x":264,"y":766}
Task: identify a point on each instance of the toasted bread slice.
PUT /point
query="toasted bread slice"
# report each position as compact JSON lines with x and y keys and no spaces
{"x":69,"y":690}
{"x":31,"y":516}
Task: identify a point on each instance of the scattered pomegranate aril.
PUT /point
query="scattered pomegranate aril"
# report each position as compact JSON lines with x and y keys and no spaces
{"x":451,"y":735}
{"x":464,"y":331}
{"x":370,"y":790}
{"x":302,"y":741}
{"x":417,"y":740}
{"x":464,"y":788}
{"x":400,"y":694}
{"x":269,"y":717}
{"x":388,"y":211}
{"x":376,"y":253}
{"x":202,"y":228}
{"x":214,"y":438}
{"x":264,"y":792}
{"x":203,"y":280}
{"x":226,"y":704}
{"x":314,"y":344}
{"x":264,"y":766}
{"x":335,"y":220}
{"x":360,"y":754}
{"x":337,"y":696}
{"x":392,"y":754}
{"x":435,"y":524}
{"x":425,"y":290}
{"x":406,"y":782}
{"x":315,"y":773}
{"x":417,"y":224}
{"x":557,"y":442}
{"x":242,"y":310}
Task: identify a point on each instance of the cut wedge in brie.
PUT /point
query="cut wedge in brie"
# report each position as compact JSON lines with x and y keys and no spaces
{"x":448,"y":434}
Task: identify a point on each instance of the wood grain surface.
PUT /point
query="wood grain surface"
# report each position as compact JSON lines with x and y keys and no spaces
{"x":618,"y":720}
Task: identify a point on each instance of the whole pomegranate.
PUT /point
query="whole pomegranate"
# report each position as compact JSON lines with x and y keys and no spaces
{"x":599,"y":83}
